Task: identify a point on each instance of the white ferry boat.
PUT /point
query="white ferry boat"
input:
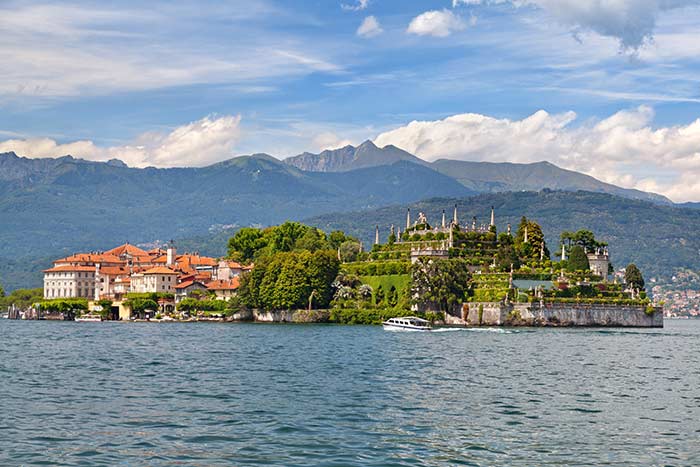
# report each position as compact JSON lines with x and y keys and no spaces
{"x":407,"y":323}
{"x":89,"y":318}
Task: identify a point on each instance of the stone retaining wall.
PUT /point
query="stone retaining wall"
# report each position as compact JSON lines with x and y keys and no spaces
{"x":283,"y":316}
{"x":558,"y":314}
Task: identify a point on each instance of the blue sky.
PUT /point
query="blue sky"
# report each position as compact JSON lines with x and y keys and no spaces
{"x":607,"y":87}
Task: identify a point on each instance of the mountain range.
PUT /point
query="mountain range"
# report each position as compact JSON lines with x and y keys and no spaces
{"x":55,"y":206}
{"x":481,"y":177}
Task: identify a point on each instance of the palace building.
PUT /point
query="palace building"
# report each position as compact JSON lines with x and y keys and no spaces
{"x":127,"y":268}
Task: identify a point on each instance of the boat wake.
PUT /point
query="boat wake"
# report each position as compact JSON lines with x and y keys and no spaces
{"x":496,"y":330}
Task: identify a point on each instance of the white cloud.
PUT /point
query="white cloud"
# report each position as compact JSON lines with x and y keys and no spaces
{"x":198,"y":143}
{"x":370,"y":27}
{"x":358,"y":6}
{"x":632,"y":22}
{"x":329,"y":140}
{"x":438,"y":23}
{"x":59,"y":51}
{"x":623,"y":149}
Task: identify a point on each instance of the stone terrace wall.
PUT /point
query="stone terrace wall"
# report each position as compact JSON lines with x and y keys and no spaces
{"x":557,"y":314}
{"x":572,"y":314}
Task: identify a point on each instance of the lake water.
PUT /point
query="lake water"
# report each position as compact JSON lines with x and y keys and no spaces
{"x":315,"y":395}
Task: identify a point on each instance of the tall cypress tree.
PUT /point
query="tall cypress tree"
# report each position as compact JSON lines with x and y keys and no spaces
{"x":578,"y":261}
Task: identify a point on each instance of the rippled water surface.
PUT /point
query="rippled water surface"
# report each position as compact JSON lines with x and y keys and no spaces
{"x":231,"y":394}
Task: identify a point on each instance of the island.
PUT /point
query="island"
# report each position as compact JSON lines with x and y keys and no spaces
{"x":451,"y":272}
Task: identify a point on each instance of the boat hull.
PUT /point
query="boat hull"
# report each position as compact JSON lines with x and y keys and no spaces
{"x":405,"y":327}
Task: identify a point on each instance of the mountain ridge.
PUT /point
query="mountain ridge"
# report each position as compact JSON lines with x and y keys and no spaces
{"x":477,"y":176}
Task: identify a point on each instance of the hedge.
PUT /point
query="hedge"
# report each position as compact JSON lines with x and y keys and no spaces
{"x":378,"y":268}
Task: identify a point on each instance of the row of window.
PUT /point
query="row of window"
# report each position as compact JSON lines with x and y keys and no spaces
{"x":70,"y":274}
{"x":68,"y":284}
{"x":68,"y":293}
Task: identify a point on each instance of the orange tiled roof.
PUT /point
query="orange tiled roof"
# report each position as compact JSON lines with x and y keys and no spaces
{"x":114,"y":271}
{"x":233,"y":284}
{"x":160,"y":270}
{"x":90,"y":258}
{"x":128,"y":249}
{"x":189,"y":260}
{"x":71,"y":268}
{"x":184,"y":285}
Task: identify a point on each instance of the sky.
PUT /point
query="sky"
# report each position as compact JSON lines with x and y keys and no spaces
{"x":605,"y":87}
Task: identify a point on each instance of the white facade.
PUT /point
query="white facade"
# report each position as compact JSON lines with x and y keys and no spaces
{"x":599,"y":263}
{"x":155,"y":280}
{"x":227,"y":270}
{"x":69,"y":282}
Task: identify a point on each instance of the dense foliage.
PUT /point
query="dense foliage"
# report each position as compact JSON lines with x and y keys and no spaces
{"x":633,"y":277}
{"x":289,"y":280}
{"x":249,"y":244}
{"x":67,"y":306}
{"x":535,"y":246}
{"x":440,"y":285}
{"x":578,"y":260}
{"x":21,"y":298}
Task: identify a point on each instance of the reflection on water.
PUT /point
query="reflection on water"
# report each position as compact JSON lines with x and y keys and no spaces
{"x":217,"y":394}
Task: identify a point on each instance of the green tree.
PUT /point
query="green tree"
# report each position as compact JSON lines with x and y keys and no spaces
{"x":106,"y":306}
{"x":312,"y":240}
{"x":284,"y":236}
{"x":22,"y":298}
{"x":287,"y":279}
{"x":292,"y":288}
{"x":392,"y":297}
{"x":633,"y":277}
{"x":349,"y":251}
{"x":337,"y":238}
{"x":578,"y":261}
{"x":586,"y":239}
{"x":507,"y":256}
{"x":245,"y":244}
{"x":379,"y":295}
{"x":249,"y":288}
{"x":139,"y":305}
{"x":530,"y":250}
{"x":322,"y":270}
{"x":2,"y":292}
{"x":440,"y":284}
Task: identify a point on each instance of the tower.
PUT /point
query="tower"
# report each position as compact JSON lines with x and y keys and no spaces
{"x":509,"y":228}
{"x":443,"y":218}
{"x":408,"y":219}
{"x":474,"y":223}
{"x":493,"y":216}
{"x":170,"y":254}
{"x":376,"y":235}
{"x":525,"y":240}
{"x":455,"y":221}
{"x":563,"y":252}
